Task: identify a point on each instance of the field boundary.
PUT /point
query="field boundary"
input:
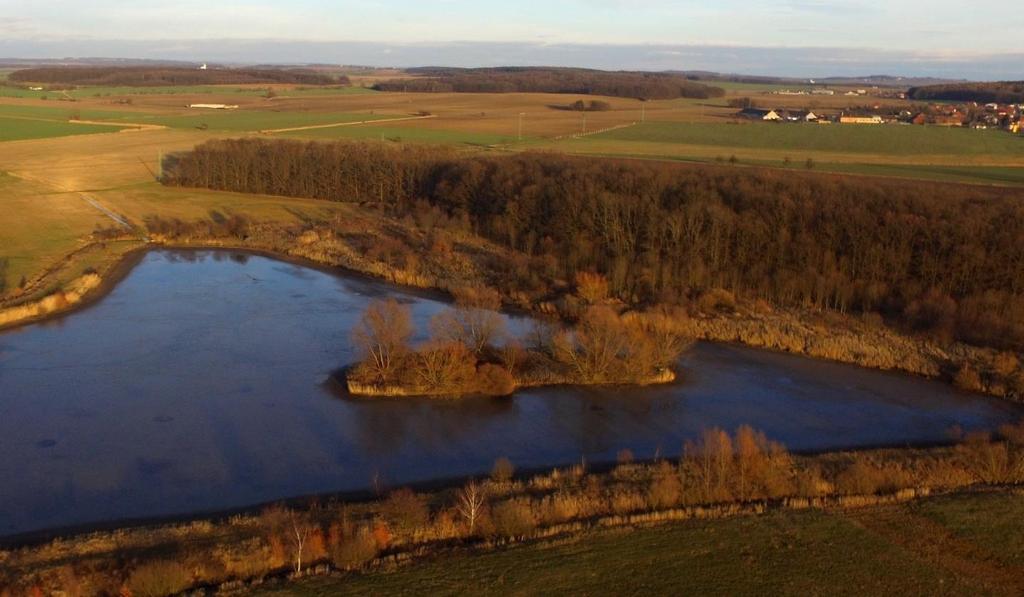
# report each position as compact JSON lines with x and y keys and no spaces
{"x":597,"y":132}
{"x":339,"y":124}
{"x":125,"y":126}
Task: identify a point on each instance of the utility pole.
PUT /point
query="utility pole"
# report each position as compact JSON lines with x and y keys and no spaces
{"x":521,"y":114}
{"x":584,"y":123}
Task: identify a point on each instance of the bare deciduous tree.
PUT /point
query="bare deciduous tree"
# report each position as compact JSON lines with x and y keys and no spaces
{"x":470,"y":504}
{"x":474,"y":321}
{"x":445,"y":367}
{"x":383,"y":335}
{"x":596,"y":347}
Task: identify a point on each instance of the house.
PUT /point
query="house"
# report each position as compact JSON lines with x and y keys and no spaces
{"x":920,"y":119}
{"x":860,"y":119}
{"x":954,"y":119}
{"x":215,"y":106}
{"x":802,"y":116}
{"x":758,"y":114}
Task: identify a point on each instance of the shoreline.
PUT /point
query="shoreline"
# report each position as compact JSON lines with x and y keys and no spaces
{"x":782,"y":331}
{"x":369,"y":390}
{"x":243,"y":534}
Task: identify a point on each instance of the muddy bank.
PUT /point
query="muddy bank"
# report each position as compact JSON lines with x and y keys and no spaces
{"x":369,"y":390}
{"x":853,"y":342}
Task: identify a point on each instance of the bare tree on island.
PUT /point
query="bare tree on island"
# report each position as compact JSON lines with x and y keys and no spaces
{"x":475,"y":321}
{"x":383,"y":336}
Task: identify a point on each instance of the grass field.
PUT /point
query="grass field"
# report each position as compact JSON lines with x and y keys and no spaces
{"x":881,"y":139}
{"x":407,"y":134}
{"x":248,"y":120}
{"x":39,"y":226}
{"x":962,"y":545}
{"x":63,"y":112}
{"x":254,"y":91}
{"x":17,"y":129}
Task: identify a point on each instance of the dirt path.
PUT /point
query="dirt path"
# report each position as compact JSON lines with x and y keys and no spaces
{"x":113,"y":216}
{"x":126,"y":127}
{"x":353,"y":123}
{"x":934,"y":543}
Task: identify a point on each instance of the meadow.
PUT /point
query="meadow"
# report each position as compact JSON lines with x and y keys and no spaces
{"x":240,"y":121}
{"x":957,"y":545}
{"x":17,"y":129}
{"x":63,"y":112}
{"x":406,"y":134}
{"x":82,"y":93}
{"x":869,"y":139}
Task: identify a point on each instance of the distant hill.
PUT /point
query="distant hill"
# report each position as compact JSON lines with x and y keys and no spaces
{"x":869,"y":80}
{"x":1003,"y":92}
{"x":161,"y":76}
{"x":641,"y":85}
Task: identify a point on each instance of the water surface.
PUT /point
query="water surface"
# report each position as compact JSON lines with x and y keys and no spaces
{"x":198,"y":385}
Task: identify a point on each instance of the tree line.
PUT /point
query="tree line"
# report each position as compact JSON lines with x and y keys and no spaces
{"x":641,"y":85}
{"x":149,"y":76}
{"x":1003,"y":92}
{"x":936,"y":258}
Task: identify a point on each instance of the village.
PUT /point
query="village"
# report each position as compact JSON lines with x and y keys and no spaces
{"x":969,"y":115}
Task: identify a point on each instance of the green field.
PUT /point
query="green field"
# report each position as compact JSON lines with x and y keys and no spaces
{"x":92,"y":92}
{"x":62,"y":112}
{"x":247,"y":120}
{"x":736,"y":86}
{"x":221,"y":120}
{"x":16,"y":129}
{"x":962,"y":545}
{"x":867,"y":139}
{"x":403,"y":134}
{"x":997,"y":175}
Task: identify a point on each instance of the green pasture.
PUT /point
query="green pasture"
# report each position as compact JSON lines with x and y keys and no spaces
{"x":407,"y":134}
{"x":17,"y":129}
{"x":957,"y":545}
{"x":867,"y":139}
{"x":79,"y":93}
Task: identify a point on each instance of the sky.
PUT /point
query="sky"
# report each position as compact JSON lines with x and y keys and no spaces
{"x":816,"y":37}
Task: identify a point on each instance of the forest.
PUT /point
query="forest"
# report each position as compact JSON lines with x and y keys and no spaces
{"x":639,"y":85}
{"x":938,"y":259}
{"x":148,"y":76}
{"x":1003,"y":92}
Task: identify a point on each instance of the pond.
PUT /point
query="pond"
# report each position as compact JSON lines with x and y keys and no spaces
{"x":199,"y":384}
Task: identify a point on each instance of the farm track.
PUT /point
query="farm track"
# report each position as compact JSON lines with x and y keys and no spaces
{"x":337,"y":124}
{"x":934,"y":543}
{"x":127,"y":127}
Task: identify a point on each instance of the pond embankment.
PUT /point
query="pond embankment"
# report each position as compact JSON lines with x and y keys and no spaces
{"x":372,"y":390}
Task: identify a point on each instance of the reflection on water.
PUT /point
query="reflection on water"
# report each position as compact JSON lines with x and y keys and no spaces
{"x":199,"y":384}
